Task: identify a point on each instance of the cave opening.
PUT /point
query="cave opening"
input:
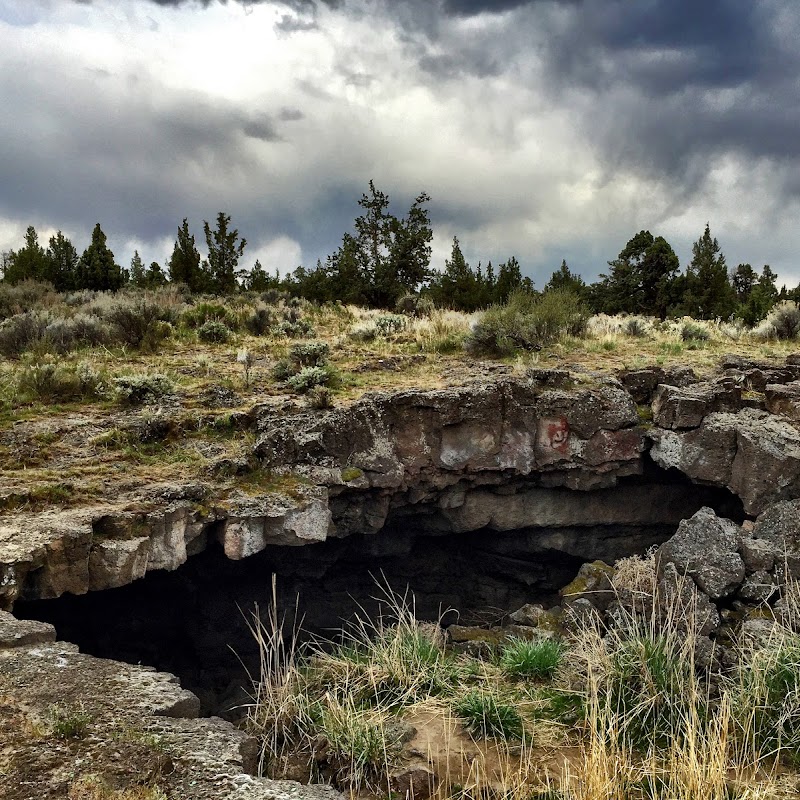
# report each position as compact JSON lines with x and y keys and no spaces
{"x":194,"y":622}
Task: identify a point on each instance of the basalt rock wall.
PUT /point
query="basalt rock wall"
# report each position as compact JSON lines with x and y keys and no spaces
{"x":539,"y":453}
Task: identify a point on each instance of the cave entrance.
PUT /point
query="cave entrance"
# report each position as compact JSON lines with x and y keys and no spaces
{"x":194,"y":622}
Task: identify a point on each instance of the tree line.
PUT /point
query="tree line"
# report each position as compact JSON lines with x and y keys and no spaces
{"x":386,"y":258}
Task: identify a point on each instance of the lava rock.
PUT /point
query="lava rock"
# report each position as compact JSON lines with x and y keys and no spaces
{"x":679,"y":599}
{"x":783,"y":399}
{"x":642,"y":383}
{"x":679,"y":408}
{"x":592,"y":583}
{"x":758,"y":587}
{"x":705,"y":548}
{"x":529,"y":615}
{"x":779,"y":526}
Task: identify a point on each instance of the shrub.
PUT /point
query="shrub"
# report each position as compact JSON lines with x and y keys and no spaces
{"x":309,"y":354}
{"x":205,"y":311}
{"x":294,"y":330}
{"x":23,"y":297}
{"x":139,"y":323}
{"x":214,"y":331}
{"x":260,"y":321}
{"x":309,"y":377}
{"x":389,"y":324}
{"x":693,"y":332}
{"x":635,"y":327}
{"x":364,"y":331}
{"x":141,"y":389}
{"x":485,"y":715}
{"x":527,"y":321}
{"x":536,"y":659}
{"x":21,"y":333}
{"x":64,"y":335}
{"x":783,"y":322}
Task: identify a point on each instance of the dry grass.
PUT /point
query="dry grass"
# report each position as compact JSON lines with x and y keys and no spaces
{"x":650,"y":724}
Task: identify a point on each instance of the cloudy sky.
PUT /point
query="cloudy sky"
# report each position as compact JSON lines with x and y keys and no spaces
{"x":546,"y":129}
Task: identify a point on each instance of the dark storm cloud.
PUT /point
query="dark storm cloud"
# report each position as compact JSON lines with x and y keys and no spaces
{"x":676,"y":82}
{"x":137,"y":166}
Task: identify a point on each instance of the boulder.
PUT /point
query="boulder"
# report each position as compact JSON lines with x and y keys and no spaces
{"x":642,"y":383}
{"x":783,"y":399}
{"x":592,"y":583}
{"x":705,"y":548}
{"x":758,"y":554}
{"x":779,"y":528}
{"x":679,"y":408}
{"x":679,"y":598}
{"x":757,"y":588}
{"x":529,"y":615}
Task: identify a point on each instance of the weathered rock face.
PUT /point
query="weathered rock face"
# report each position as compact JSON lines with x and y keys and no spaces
{"x":755,"y":454}
{"x":502,"y":455}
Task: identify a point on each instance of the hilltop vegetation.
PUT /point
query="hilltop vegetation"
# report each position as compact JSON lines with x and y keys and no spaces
{"x":385,"y":263}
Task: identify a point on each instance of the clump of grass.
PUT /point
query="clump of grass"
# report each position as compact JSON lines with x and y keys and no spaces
{"x":69,"y":723}
{"x":486,"y":715}
{"x":538,"y":659}
{"x":48,"y":381}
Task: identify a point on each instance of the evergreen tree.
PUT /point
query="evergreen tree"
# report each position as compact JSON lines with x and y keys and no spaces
{"x":29,"y":262}
{"x":224,"y":251}
{"x":137,"y":272}
{"x":642,"y":279}
{"x":155,"y":277}
{"x":509,"y":278}
{"x":709,"y":293}
{"x":744,"y":278}
{"x":760,"y":299}
{"x":410,"y":252}
{"x":564,"y":279}
{"x":184,"y":264}
{"x":96,"y":268}
{"x":62,"y":263}
{"x":458,"y":286}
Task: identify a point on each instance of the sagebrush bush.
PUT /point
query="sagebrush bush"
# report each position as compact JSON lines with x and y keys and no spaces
{"x":293,"y":329}
{"x":390,"y":324}
{"x":66,"y":334}
{"x":694,"y":332}
{"x":24,"y":296}
{"x":141,"y":389}
{"x":527,"y":321}
{"x":206,"y":311}
{"x":214,"y":331}
{"x":309,"y":377}
{"x":309,"y":354}
{"x":21,"y":333}
{"x":783,"y":322}
{"x":260,"y":320}
{"x":139,"y":322}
